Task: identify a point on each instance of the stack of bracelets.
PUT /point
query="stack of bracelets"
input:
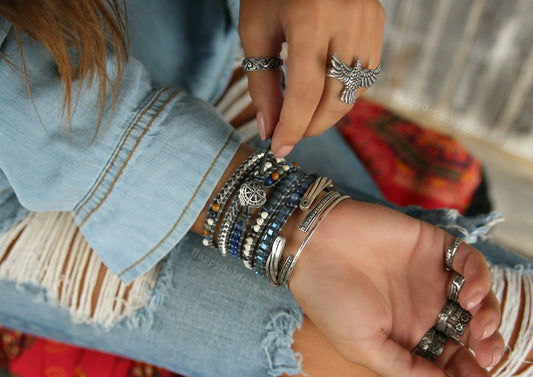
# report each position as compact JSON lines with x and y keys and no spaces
{"x":254,"y":205}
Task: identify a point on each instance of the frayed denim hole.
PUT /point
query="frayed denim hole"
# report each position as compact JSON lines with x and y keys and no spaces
{"x":278,"y":341}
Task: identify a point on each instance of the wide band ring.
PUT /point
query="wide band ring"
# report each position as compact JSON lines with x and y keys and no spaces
{"x":455,"y":287}
{"x":353,"y":77}
{"x":431,"y":345}
{"x":449,"y":254}
{"x":453,"y":320}
{"x":261,"y":64}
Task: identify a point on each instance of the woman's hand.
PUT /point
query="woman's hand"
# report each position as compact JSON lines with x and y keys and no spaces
{"x":313,"y":30}
{"x":372,"y":281}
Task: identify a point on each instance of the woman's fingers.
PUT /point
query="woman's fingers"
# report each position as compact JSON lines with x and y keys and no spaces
{"x":261,"y":40}
{"x":389,"y":359}
{"x":362,"y":41}
{"x":486,"y":319}
{"x":331,"y":109}
{"x":470,"y":263}
{"x":307,"y":53}
{"x":458,"y":361}
{"x":265,"y":90}
{"x":354,"y":28}
{"x":488,"y":351}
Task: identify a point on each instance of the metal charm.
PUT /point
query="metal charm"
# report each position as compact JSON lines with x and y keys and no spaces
{"x":353,"y":78}
{"x":251,"y":194}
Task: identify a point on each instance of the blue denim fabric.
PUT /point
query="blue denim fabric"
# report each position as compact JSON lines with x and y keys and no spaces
{"x":137,"y":188}
{"x":210,"y":316}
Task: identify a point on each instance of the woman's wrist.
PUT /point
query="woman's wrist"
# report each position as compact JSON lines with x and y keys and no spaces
{"x":241,"y":155}
{"x":294,"y":237}
{"x":317,"y":244}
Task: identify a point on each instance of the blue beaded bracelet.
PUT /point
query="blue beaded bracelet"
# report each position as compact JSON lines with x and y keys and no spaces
{"x":288,"y":205}
{"x":272,"y":203}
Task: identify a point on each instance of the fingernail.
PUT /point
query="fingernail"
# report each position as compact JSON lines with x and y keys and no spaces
{"x":283,"y":150}
{"x":261,"y":125}
{"x":474,"y":301}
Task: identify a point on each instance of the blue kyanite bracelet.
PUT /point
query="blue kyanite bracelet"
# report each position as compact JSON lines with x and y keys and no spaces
{"x":235,"y":239}
{"x":288,"y":205}
{"x":291,"y":174}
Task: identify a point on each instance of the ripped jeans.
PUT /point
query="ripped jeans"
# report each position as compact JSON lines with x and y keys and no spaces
{"x":208,"y":316}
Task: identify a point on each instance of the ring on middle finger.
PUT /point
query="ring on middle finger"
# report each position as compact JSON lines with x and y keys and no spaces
{"x":455,"y":287}
{"x":453,"y":320}
{"x":352,"y":78}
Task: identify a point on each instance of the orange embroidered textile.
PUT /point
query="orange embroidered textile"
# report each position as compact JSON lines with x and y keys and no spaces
{"x":411,"y":164}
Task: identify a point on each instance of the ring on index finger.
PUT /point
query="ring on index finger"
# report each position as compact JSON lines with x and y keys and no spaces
{"x":261,"y":64}
{"x":449,"y":254}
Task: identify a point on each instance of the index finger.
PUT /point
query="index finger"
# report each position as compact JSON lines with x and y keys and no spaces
{"x":306,"y":74}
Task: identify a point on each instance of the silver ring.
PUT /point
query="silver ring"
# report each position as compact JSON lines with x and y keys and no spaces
{"x":431,"y":345}
{"x":261,"y":64}
{"x":449,"y":254}
{"x":455,"y":287}
{"x":353,"y":78}
{"x":453,"y":320}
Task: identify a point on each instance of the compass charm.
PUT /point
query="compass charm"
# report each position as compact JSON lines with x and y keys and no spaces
{"x":251,"y":194}
{"x":353,"y":78}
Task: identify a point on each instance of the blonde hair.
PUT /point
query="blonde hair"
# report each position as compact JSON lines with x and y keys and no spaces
{"x":91,"y":28}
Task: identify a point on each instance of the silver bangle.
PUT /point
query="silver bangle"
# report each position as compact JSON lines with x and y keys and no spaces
{"x":282,"y":275}
{"x":273,"y":260}
{"x":287,"y":277}
{"x":313,"y":214}
{"x":314,"y":190}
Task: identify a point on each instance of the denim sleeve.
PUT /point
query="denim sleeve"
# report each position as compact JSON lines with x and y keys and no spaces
{"x":135,"y":187}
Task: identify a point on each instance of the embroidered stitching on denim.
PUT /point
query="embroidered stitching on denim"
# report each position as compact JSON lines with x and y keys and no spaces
{"x":116,"y":154}
{"x":128,"y":158}
{"x":185,"y":209}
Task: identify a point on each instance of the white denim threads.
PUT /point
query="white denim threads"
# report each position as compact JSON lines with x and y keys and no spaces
{"x":47,"y":250}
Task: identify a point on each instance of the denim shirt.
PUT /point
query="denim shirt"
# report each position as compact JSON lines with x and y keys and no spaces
{"x":138,"y":186}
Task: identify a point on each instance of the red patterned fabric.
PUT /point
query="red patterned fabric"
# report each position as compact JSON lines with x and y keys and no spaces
{"x":28,"y":356}
{"x":411,"y":164}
